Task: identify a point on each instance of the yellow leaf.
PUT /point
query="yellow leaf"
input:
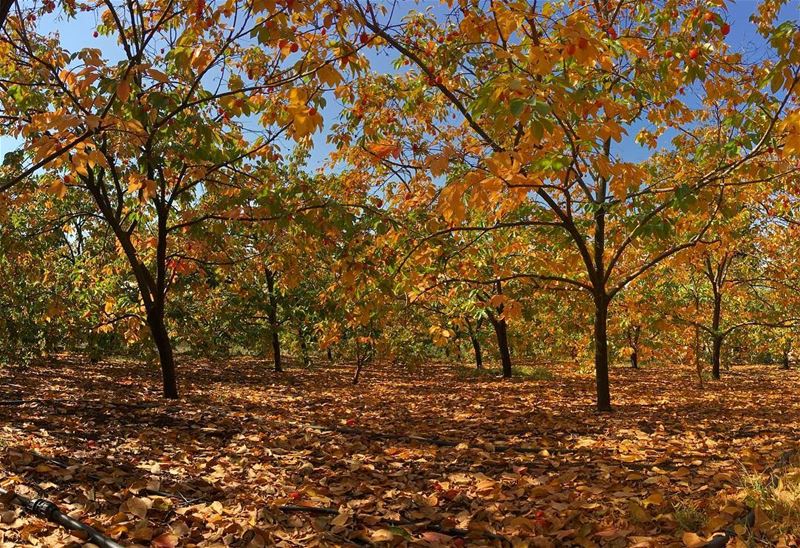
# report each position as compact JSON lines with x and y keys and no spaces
{"x":635,"y":45}
{"x":384,"y":149}
{"x":327,"y":74}
{"x":149,"y":190}
{"x":136,"y":506}
{"x":693,"y":540}
{"x":340,"y":520}
{"x":58,"y":188}
{"x":124,"y":90}
{"x":382,"y":535}
{"x":603,"y":167}
{"x":656,"y":498}
{"x":438,"y":164}
{"x":306,"y":122}
{"x":157,"y":75}
{"x":135,"y":182}
{"x":612,"y":130}
{"x":264,"y":5}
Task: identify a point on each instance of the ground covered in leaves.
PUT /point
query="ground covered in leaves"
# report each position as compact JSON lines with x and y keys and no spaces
{"x":423,"y":457}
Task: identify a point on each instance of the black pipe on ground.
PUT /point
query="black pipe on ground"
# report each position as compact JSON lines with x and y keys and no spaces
{"x":47,"y":510}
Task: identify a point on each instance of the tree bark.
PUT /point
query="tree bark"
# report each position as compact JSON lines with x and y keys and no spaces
{"x":501,"y":331}
{"x":330,"y":355}
{"x":786,"y":351}
{"x":301,"y":337}
{"x":152,"y":288}
{"x":158,"y":329}
{"x":5,"y":7}
{"x":633,"y":341}
{"x":476,"y":346}
{"x":716,"y":348}
{"x":601,"y":298}
{"x":716,"y":356}
{"x":601,"y":353}
{"x":363,"y":354}
{"x":274,"y":325}
{"x":476,"y":343}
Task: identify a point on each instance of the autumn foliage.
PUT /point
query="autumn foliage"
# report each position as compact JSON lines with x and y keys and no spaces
{"x":503,"y":188}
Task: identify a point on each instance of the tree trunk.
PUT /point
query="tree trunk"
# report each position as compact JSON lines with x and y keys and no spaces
{"x":601,"y":353}
{"x":158,"y":329}
{"x":787,"y":349}
{"x":301,"y":337}
{"x":362,"y":355}
{"x":501,"y":330}
{"x":633,"y":341}
{"x":716,"y":348}
{"x":716,"y":356}
{"x":357,"y":374}
{"x":274,"y":326}
{"x":476,"y":346}
{"x":330,"y":355}
{"x":476,"y":343}
{"x":153,"y":289}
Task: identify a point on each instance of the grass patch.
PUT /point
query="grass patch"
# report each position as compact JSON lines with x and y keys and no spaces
{"x":689,"y":517}
{"x":535,"y":373}
{"x":778,"y":498}
{"x":527,"y":372}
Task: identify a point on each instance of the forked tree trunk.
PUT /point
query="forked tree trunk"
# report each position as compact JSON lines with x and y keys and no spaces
{"x":274,"y":325}
{"x":152,"y":286}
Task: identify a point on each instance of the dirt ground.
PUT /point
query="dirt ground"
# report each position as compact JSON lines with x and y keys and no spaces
{"x":423,"y":457}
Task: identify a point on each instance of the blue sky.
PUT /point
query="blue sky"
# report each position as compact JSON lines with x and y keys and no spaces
{"x":78,"y":33}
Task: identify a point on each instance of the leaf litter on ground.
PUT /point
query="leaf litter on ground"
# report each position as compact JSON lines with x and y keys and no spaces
{"x":422,"y":457}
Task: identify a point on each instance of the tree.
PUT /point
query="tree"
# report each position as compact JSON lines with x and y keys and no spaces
{"x":157,"y":140}
{"x":542,"y":95}
{"x":5,"y":8}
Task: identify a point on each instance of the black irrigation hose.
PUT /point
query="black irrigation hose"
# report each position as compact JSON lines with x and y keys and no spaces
{"x":721,"y":540}
{"x":47,"y":510}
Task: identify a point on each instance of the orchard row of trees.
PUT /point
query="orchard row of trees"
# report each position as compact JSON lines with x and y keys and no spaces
{"x":488,"y":187}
